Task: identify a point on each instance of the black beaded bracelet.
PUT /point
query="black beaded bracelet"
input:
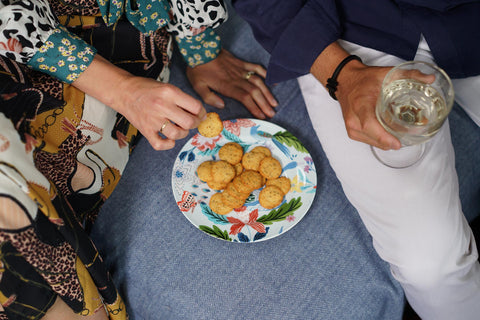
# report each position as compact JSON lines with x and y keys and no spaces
{"x":332,"y":82}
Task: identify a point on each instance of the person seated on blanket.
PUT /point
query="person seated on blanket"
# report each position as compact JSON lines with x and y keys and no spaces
{"x":340,"y":51}
{"x":80,"y":82}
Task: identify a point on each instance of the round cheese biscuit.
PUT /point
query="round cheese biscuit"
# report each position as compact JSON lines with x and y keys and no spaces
{"x":251,"y":160}
{"x":270,"y":197}
{"x":216,"y":185}
{"x":231,"y":152}
{"x":238,"y":168}
{"x":252,"y":179}
{"x":282,"y":182}
{"x":270,"y":168}
{"x":231,"y":201}
{"x":230,"y":189}
{"x":204,"y":170}
{"x":212,"y":126}
{"x":223,"y":172}
{"x":240,"y":186}
{"x":263,"y":150}
{"x":217,"y":205}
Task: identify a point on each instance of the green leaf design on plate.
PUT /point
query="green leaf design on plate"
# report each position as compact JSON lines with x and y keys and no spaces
{"x":216,"y":232}
{"x":230,"y":136}
{"x":282,"y":212}
{"x":289,"y":139}
{"x":208,"y":152}
{"x":212,"y":216}
{"x":233,"y":138}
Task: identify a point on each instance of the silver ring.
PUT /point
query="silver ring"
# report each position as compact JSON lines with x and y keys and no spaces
{"x":164,"y":125}
{"x":249,"y":74}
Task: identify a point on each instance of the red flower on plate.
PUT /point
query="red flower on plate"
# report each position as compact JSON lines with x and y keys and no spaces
{"x":290,"y":218}
{"x":203,"y":143}
{"x":187,"y":203}
{"x":234,"y":126}
{"x":237,"y":224}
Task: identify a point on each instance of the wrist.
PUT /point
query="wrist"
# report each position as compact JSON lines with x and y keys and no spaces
{"x":122,"y":92}
{"x":333,"y":82}
{"x":348,"y":77}
{"x":106,"y":83}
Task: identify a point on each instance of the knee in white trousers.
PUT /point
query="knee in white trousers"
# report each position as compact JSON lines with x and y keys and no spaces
{"x":414,"y":215}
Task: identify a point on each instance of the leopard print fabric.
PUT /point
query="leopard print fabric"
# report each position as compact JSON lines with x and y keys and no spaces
{"x":75,"y":7}
{"x":45,"y":83}
{"x":56,"y":264}
{"x":60,"y":167}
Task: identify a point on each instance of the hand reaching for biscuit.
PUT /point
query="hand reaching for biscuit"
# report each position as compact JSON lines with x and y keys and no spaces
{"x":234,"y":78}
{"x":150,"y":106}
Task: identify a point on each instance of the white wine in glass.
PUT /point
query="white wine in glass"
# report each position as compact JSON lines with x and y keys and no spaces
{"x":415,"y":100}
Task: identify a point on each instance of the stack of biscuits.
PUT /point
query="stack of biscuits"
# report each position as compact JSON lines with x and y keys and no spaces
{"x":237,"y":174}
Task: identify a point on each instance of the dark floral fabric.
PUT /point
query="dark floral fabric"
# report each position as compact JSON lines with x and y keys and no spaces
{"x":61,"y":155}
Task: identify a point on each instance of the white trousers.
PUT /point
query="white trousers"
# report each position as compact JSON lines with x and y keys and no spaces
{"x":414,"y":214}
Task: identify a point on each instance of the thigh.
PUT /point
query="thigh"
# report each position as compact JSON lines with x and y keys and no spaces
{"x":396,"y":205}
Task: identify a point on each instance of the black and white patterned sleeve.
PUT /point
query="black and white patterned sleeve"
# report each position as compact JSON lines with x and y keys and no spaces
{"x":24,"y":27}
{"x":31,"y":34}
{"x":191,"y":17}
{"x":192,"y":23}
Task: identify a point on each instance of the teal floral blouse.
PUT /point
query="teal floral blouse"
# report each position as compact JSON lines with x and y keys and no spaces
{"x":52,"y":49}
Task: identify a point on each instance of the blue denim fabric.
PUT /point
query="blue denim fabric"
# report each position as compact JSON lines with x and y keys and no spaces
{"x":466,"y":141}
{"x":323,"y":268}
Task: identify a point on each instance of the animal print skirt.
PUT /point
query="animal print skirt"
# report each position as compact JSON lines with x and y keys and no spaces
{"x":61,"y":155}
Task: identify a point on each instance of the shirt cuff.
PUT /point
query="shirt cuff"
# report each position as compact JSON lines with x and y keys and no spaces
{"x":199,"y":49}
{"x":314,"y":27}
{"x":63,"y":55}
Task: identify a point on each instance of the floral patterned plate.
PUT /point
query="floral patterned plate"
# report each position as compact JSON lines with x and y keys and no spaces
{"x":251,"y":222}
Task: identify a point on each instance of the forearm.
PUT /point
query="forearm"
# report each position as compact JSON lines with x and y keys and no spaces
{"x":327,"y":62}
{"x":105,"y":82}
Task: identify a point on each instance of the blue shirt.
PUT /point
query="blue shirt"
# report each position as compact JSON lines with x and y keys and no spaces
{"x":295,"y":32}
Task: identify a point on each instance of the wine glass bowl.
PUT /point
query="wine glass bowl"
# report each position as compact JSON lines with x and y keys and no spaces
{"x":414,"y":102}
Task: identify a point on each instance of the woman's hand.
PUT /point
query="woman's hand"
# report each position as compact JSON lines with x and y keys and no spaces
{"x":152,"y":107}
{"x":227,"y":75}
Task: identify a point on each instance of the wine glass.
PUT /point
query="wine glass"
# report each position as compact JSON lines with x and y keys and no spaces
{"x":415,"y":99}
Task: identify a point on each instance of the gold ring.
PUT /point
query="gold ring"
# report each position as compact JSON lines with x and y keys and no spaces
{"x":249,"y":74}
{"x":164,"y":125}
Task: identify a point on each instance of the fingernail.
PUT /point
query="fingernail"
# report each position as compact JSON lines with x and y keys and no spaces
{"x":395,"y":146}
{"x":219,"y":104}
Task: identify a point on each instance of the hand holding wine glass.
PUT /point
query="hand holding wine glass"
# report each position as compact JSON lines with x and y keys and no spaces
{"x":414,"y":102}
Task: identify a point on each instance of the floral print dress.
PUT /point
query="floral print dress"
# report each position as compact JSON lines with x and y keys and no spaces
{"x":62,"y":152}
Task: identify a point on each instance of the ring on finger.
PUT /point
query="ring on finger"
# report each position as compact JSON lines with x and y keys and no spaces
{"x":164,"y":125}
{"x":249,"y":74}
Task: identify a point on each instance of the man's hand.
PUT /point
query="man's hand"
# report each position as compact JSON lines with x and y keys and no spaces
{"x":357,"y":92}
